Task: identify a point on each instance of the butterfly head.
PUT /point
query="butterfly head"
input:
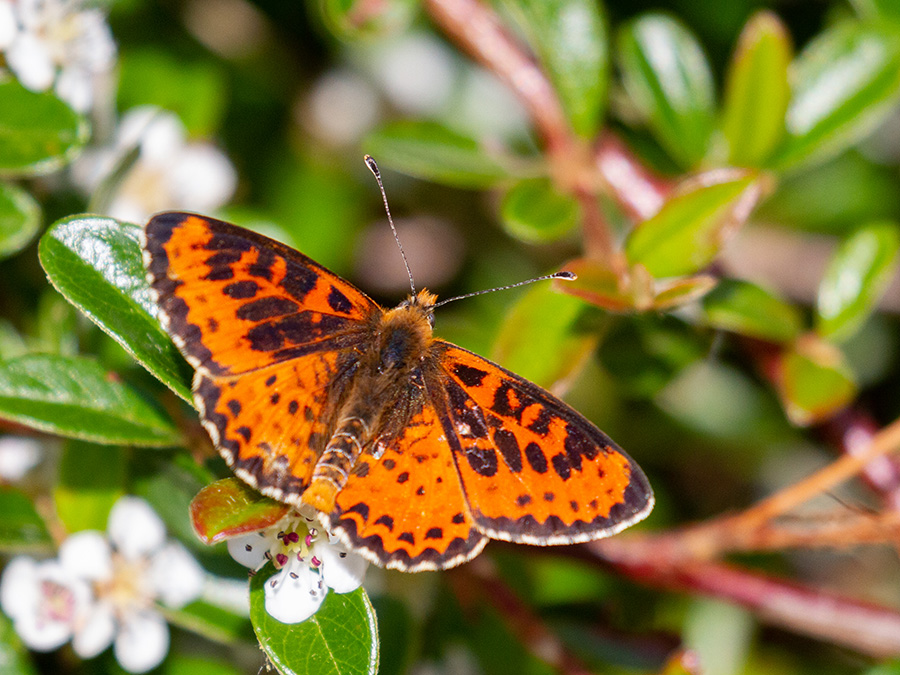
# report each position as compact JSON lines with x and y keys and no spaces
{"x":421,"y":303}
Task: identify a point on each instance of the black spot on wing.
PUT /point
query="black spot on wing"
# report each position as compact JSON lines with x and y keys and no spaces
{"x":266,"y":308}
{"x":387,"y":521}
{"x":508,"y":446}
{"x":338,"y":301}
{"x":536,"y":457}
{"x":469,"y":376}
{"x":241,"y":290}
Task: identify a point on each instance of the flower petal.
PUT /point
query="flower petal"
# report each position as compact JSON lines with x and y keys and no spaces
{"x":202,"y":178}
{"x":19,"y":586}
{"x":176,"y":576}
{"x":250,"y":549}
{"x":30,"y":60}
{"x":142,"y":642}
{"x":8,"y":24}
{"x":75,"y":87}
{"x":18,"y":454}
{"x":295,"y":593}
{"x":96,"y":632}
{"x":342,"y":570}
{"x":87,"y":555}
{"x":135,"y":529}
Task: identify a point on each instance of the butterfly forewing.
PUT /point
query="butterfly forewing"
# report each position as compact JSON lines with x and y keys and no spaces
{"x":532,"y":469}
{"x":235,"y":301}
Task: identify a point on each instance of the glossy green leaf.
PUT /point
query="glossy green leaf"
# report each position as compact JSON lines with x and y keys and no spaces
{"x":13,"y":654}
{"x":669,"y":81}
{"x":38,"y":132}
{"x":814,"y":381}
{"x":21,"y":528}
{"x":20,"y":219}
{"x":856,"y":278}
{"x":845,"y":82}
{"x":757,"y":90}
{"x":340,"y":639}
{"x":78,"y":398}
{"x":598,"y":285}
{"x":678,"y":292}
{"x":747,"y":309}
{"x":570,"y":39}
{"x":95,"y":262}
{"x":694,"y":224}
{"x":229,"y":507}
{"x":544,"y":337}
{"x":535,"y":211}
{"x":434,"y":152}
{"x":91,"y":479}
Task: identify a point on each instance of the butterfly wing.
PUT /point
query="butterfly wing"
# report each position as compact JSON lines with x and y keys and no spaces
{"x":236,"y":301}
{"x":532,"y":469}
{"x":405,"y":509}
{"x":270,"y":333}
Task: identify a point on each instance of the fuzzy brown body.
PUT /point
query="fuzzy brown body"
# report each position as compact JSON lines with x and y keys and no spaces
{"x":414,"y":450}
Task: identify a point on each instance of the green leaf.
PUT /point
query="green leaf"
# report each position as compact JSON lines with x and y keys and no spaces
{"x":38,"y":132}
{"x":678,"y":292}
{"x":747,"y":309}
{"x":91,"y":479}
{"x":544,"y":338}
{"x":855,"y":280}
{"x":600,"y":286}
{"x":535,"y":211}
{"x":669,"y":81}
{"x":78,"y":398}
{"x":845,"y":82}
{"x":20,"y":219}
{"x":757,"y":90}
{"x":814,"y":382}
{"x":340,"y":639}
{"x":434,"y":152}
{"x":229,"y":507}
{"x":693,"y":225}
{"x":21,"y":528}
{"x":95,"y":262}
{"x":570,"y":39}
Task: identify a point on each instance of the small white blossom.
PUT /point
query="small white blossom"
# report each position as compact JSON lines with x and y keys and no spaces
{"x":309,"y":562}
{"x":169,"y":172}
{"x":57,"y":41}
{"x":103,"y":590}
{"x":18,"y":455}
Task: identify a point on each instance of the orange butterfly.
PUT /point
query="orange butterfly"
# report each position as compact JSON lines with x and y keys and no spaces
{"x":414,"y":450}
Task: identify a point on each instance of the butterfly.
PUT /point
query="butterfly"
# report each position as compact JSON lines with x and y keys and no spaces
{"x":415,"y":451}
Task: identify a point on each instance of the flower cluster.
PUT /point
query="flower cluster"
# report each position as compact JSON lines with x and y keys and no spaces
{"x":309,"y":561}
{"x":168,"y":172}
{"x":103,"y":590}
{"x":57,"y":43}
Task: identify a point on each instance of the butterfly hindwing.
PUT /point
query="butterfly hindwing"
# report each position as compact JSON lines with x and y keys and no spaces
{"x":532,"y":469}
{"x":406,"y":509}
{"x":235,"y":301}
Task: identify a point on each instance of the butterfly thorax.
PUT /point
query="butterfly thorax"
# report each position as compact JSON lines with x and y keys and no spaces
{"x":391,"y":371}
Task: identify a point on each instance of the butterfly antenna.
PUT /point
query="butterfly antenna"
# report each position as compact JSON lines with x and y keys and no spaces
{"x":568,"y":276}
{"x":373,"y":167}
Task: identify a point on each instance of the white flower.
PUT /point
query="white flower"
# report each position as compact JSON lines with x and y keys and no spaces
{"x":103,"y":590}
{"x":169,"y":172}
{"x":61,"y":41}
{"x":44,"y":600}
{"x":18,"y":455}
{"x":309,"y":560}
